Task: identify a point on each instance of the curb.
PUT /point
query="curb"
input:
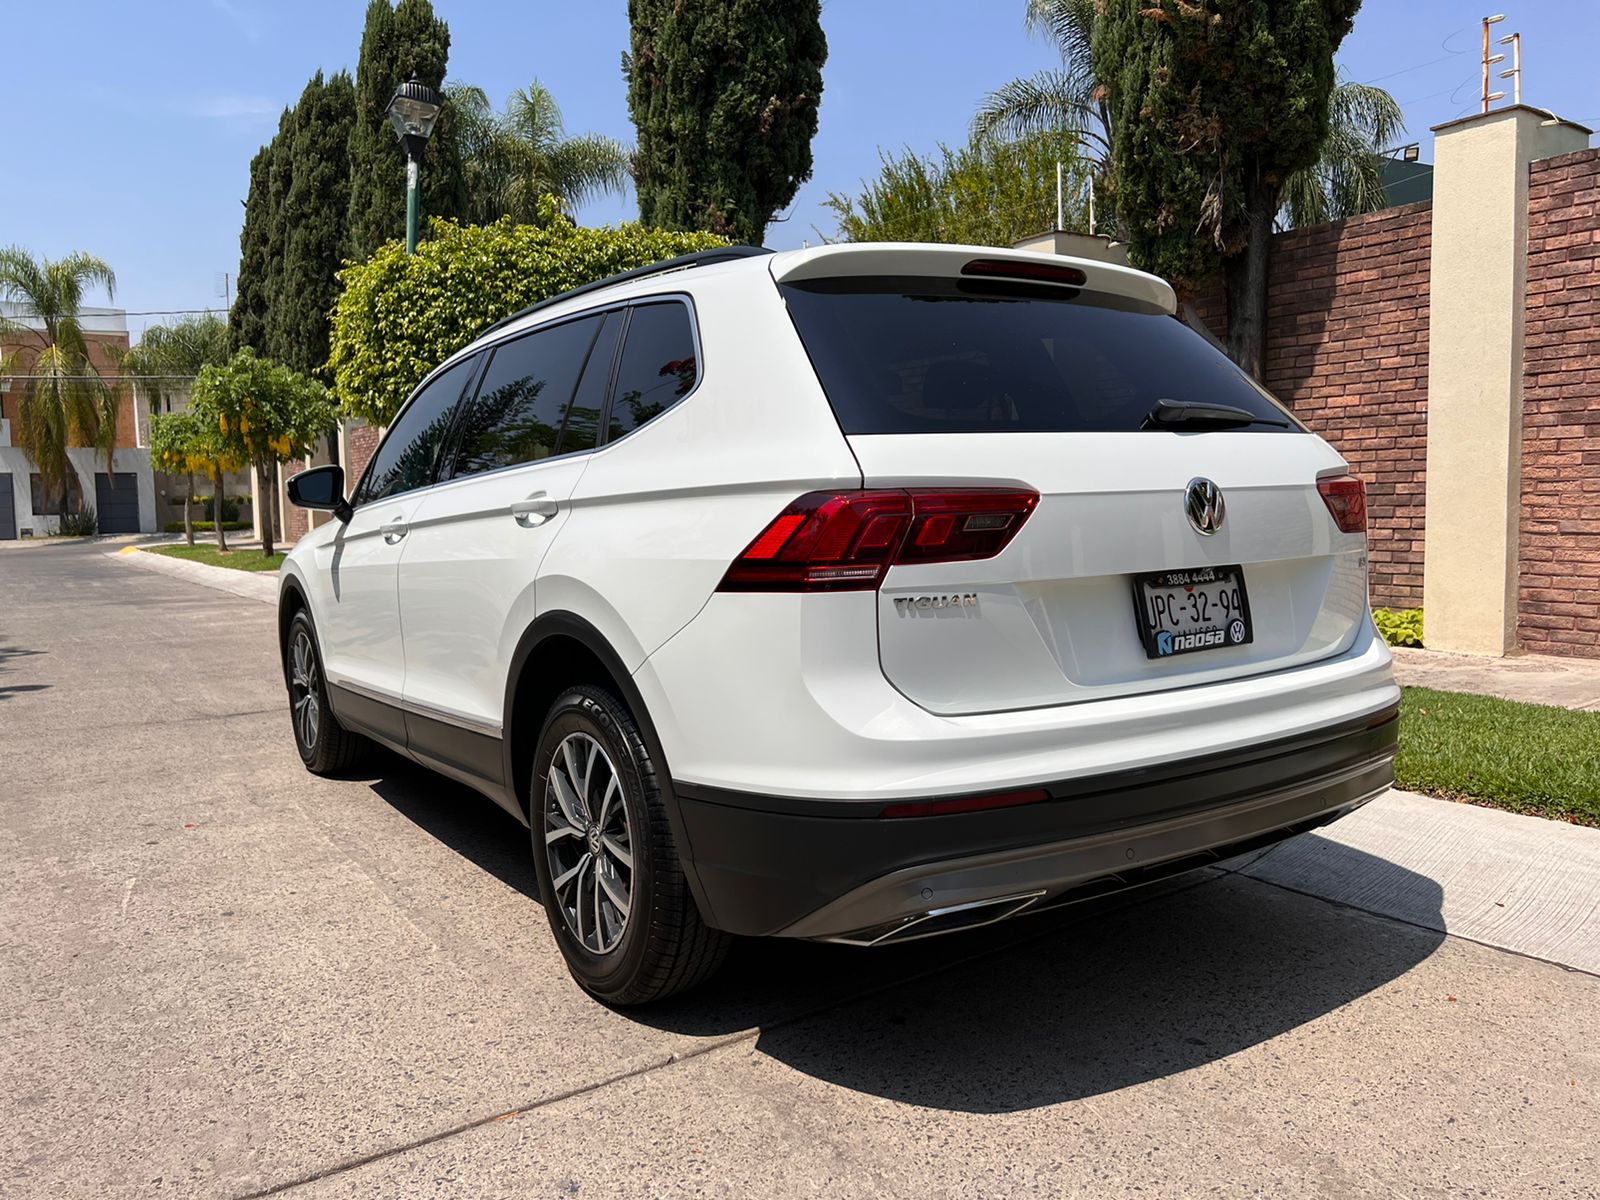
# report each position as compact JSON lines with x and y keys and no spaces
{"x":258,"y":586}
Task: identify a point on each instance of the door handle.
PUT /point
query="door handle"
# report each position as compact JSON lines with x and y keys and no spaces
{"x":393,"y":531}
{"x":535,"y":510}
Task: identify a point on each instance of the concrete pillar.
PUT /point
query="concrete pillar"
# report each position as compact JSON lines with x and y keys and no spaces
{"x":1478,"y":284}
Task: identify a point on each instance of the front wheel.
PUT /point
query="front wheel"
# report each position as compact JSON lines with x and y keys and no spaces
{"x":325,"y":746}
{"x":609,"y":874}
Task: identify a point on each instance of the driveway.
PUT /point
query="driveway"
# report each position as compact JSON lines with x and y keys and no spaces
{"x":220,"y":976}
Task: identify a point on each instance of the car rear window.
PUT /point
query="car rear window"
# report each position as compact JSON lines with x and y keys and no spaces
{"x":932,"y":355}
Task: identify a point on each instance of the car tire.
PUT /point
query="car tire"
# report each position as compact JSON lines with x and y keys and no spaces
{"x":326,"y":747}
{"x":610,"y":878}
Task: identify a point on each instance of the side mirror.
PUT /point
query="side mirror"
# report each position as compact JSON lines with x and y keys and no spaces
{"x":322,"y":489}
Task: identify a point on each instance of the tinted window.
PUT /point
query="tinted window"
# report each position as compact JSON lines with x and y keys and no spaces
{"x":658,"y":366}
{"x":523,"y":399}
{"x":582,"y":430}
{"x":932,"y":355}
{"x":410,"y":454}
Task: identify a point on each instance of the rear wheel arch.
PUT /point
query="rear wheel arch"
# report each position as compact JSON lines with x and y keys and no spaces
{"x":558,"y":651}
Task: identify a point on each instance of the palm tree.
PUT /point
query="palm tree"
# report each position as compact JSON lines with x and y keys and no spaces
{"x":64,"y":402}
{"x":1066,"y":100}
{"x":512,"y":158}
{"x":1347,"y":178}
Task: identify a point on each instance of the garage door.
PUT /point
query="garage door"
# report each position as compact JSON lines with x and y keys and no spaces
{"x":116,"y":501}
{"x":8,"y":508}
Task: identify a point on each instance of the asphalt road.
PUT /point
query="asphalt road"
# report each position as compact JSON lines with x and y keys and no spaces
{"x":220,"y":976}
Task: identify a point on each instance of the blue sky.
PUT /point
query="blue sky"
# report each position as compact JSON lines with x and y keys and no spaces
{"x":141,"y":154}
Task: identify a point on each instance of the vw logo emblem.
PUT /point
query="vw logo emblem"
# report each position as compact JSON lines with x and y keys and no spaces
{"x":1202,"y":503}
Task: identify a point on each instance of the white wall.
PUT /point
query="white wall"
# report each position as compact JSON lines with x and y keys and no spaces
{"x":85,"y":462}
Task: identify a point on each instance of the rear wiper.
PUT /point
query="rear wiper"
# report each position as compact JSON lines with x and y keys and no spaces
{"x":1168,"y":414}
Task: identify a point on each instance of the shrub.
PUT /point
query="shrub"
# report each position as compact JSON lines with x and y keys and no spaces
{"x":205,"y":526}
{"x":1399,"y":627}
{"x":80,"y":524}
{"x":401,"y":315}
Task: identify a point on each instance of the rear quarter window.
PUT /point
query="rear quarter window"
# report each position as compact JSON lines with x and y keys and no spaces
{"x":933,"y":355}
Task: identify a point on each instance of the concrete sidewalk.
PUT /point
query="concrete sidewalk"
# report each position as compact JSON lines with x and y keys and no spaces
{"x":1520,"y":883}
{"x":252,"y":585}
{"x":1531,"y":678}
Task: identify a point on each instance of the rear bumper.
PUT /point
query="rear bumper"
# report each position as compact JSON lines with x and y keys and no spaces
{"x":839,"y":871}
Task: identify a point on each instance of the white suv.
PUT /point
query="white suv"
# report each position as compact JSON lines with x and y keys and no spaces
{"x":858,"y":593}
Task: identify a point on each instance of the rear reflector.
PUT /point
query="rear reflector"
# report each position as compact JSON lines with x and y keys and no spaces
{"x":847,"y":541}
{"x":965,"y":804}
{"x":1000,"y":268}
{"x":1346,"y":498}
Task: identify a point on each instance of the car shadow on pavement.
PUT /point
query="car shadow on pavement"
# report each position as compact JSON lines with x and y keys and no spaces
{"x":1068,"y":1004}
{"x":1105,"y":998}
{"x":464,"y":820}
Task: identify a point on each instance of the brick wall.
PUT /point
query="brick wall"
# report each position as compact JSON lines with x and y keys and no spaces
{"x":296,"y":520}
{"x":361,"y":441}
{"x":1559,"y":569}
{"x":1347,"y":350}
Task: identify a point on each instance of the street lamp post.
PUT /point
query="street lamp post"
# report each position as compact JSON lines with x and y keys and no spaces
{"x":413,"y":110}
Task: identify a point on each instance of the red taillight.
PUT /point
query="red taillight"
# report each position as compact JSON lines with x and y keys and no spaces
{"x":844,"y":541}
{"x":965,"y":804}
{"x":1346,"y":498}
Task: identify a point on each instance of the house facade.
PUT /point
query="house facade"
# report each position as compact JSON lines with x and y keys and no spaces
{"x":123,"y":497}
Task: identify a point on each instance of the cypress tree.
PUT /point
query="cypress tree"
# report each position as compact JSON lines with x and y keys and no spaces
{"x":247,"y":320}
{"x":315,"y":207}
{"x":396,"y":43}
{"x":724,"y":94}
{"x":1212,"y":108}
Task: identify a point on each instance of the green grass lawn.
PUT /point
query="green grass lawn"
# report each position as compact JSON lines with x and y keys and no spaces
{"x":1524,"y":757}
{"x":240,"y":560}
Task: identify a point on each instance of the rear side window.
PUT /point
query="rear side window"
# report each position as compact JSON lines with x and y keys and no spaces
{"x":409,"y":455}
{"x":930,"y":355}
{"x":523,"y":400}
{"x":658,"y":366}
{"x":582,"y":430}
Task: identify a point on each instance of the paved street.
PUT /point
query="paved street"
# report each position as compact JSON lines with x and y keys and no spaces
{"x":222,"y":977}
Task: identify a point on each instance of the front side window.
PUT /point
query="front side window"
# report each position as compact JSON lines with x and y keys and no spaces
{"x":409,"y":456}
{"x":658,"y":366}
{"x":523,"y":400}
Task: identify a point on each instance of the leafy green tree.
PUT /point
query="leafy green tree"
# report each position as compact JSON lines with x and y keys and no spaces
{"x":986,"y":193}
{"x":398,"y":42}
{"x":460,"y":280}
{"x":724,"y":95}
{"x":64,"y":401}
{"x":1213,"y":107}
{"x":172,"y":445}
{"x":1347,"y":178}
{"x":265,"y":414}
{"x":312,"y":219}
{"x":512,"y":159}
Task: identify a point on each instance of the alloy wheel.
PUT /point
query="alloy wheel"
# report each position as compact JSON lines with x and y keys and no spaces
{"x":307,"y":708}
{"x":589,"y":843}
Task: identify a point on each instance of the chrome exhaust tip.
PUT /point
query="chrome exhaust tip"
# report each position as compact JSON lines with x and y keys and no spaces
{"x":972,"y":915}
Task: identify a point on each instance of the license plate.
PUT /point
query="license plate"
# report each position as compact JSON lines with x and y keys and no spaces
{"x":1181,"y":612}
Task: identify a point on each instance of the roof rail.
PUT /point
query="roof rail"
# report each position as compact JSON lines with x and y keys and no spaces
{"x":699,"y":258}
